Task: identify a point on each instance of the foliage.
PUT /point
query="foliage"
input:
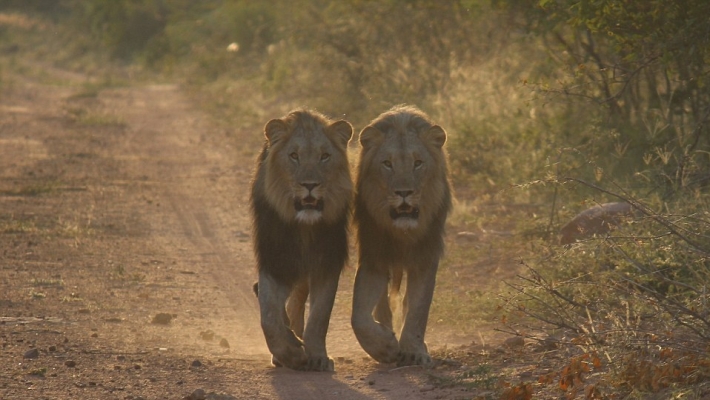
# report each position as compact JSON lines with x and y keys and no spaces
{"x":50,"y":8}
{"x":638,"y":296}
{"x":124,"y":27}
{"x":357,"y":53}
{"x":651,"y":83}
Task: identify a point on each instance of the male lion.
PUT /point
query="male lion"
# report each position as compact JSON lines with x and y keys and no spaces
{"x":403,"y":198}
{"x":300,"y":202}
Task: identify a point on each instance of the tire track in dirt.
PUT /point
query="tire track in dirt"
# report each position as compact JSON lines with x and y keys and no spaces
{"x":242,"y":319}
{"x":201,"y":190}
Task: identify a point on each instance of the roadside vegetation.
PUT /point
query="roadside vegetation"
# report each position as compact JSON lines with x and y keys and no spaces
{"x":552,"y":106}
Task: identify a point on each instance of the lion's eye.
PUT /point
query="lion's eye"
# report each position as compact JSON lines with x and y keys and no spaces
{"x":418,"y":164}
{"x":294,"y":156}
{"x":387,"y":164}
{"x":325,"y":157}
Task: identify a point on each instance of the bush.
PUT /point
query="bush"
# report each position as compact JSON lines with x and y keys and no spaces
{"x":125,"y":27}
{"x":650,"y":83}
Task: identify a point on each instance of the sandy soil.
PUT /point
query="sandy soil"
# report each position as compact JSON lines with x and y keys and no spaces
{"x":125,"y":203}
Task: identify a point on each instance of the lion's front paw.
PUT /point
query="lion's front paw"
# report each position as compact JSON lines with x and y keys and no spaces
{"x":378,"y":341}
{"x":292,"y":356}
{"x":414,"y":358}
{"x":324,"y":364}
{"x":387,"y":351}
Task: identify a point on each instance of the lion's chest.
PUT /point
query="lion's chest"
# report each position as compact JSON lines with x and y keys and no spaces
{"x":308,"y":243}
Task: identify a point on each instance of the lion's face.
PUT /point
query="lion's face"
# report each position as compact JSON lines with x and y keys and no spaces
{"x":307,"y":175}
{"x":403,"y":171}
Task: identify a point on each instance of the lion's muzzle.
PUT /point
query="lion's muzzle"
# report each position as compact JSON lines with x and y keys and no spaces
{"x":404,"y":210}
{"x":308,"y":203}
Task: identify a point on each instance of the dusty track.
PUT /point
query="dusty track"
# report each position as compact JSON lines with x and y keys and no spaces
{"x":120,"y":204}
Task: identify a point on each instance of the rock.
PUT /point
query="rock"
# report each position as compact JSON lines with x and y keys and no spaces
{"x":70,"y":363}
{"x":207,"y":335}
{"x":196,"y":363}
{"x":219,"y":396}
{"x":598,"y":220}
{"x":52,"y":348}
{"x":32,"y":353}
{"x":427,"y":388}
{"x":163,"y":318}
{"x":198,"y":394}
{"x":224,"y":343}
{"x":550,"y":343}
{"x":514,"y":342}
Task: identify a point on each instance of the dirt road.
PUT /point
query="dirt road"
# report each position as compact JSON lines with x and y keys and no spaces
{"x":123,"y":208}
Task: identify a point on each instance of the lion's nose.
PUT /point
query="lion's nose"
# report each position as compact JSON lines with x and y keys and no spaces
{"x":309,"y":186}
{"x":404,"y":193}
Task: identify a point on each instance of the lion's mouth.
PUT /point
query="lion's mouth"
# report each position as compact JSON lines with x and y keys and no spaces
{"x":308,"y":203}
{"x":404,"y":211}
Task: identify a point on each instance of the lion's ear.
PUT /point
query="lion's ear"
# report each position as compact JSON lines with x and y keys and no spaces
{"x":342,"y":130}
{"x":435,"y":135}
{"x":274,"y":130}
{"x":370,"y":137}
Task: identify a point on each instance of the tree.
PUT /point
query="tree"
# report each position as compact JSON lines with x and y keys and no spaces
{"x":645,"y":63}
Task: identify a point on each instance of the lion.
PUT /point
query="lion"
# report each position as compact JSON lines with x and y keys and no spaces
{"x":300,"y":202}
{"x":403,"y":197}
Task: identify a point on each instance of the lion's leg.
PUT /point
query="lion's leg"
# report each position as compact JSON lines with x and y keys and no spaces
{"x":383,"y":312}
{"x":296,"y":308}
{"x":375,"y":338}
{"x":321,"y":305}
{"x":417,"y":300}
{"x":384,"y":309}
{"x":283,"y":344}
